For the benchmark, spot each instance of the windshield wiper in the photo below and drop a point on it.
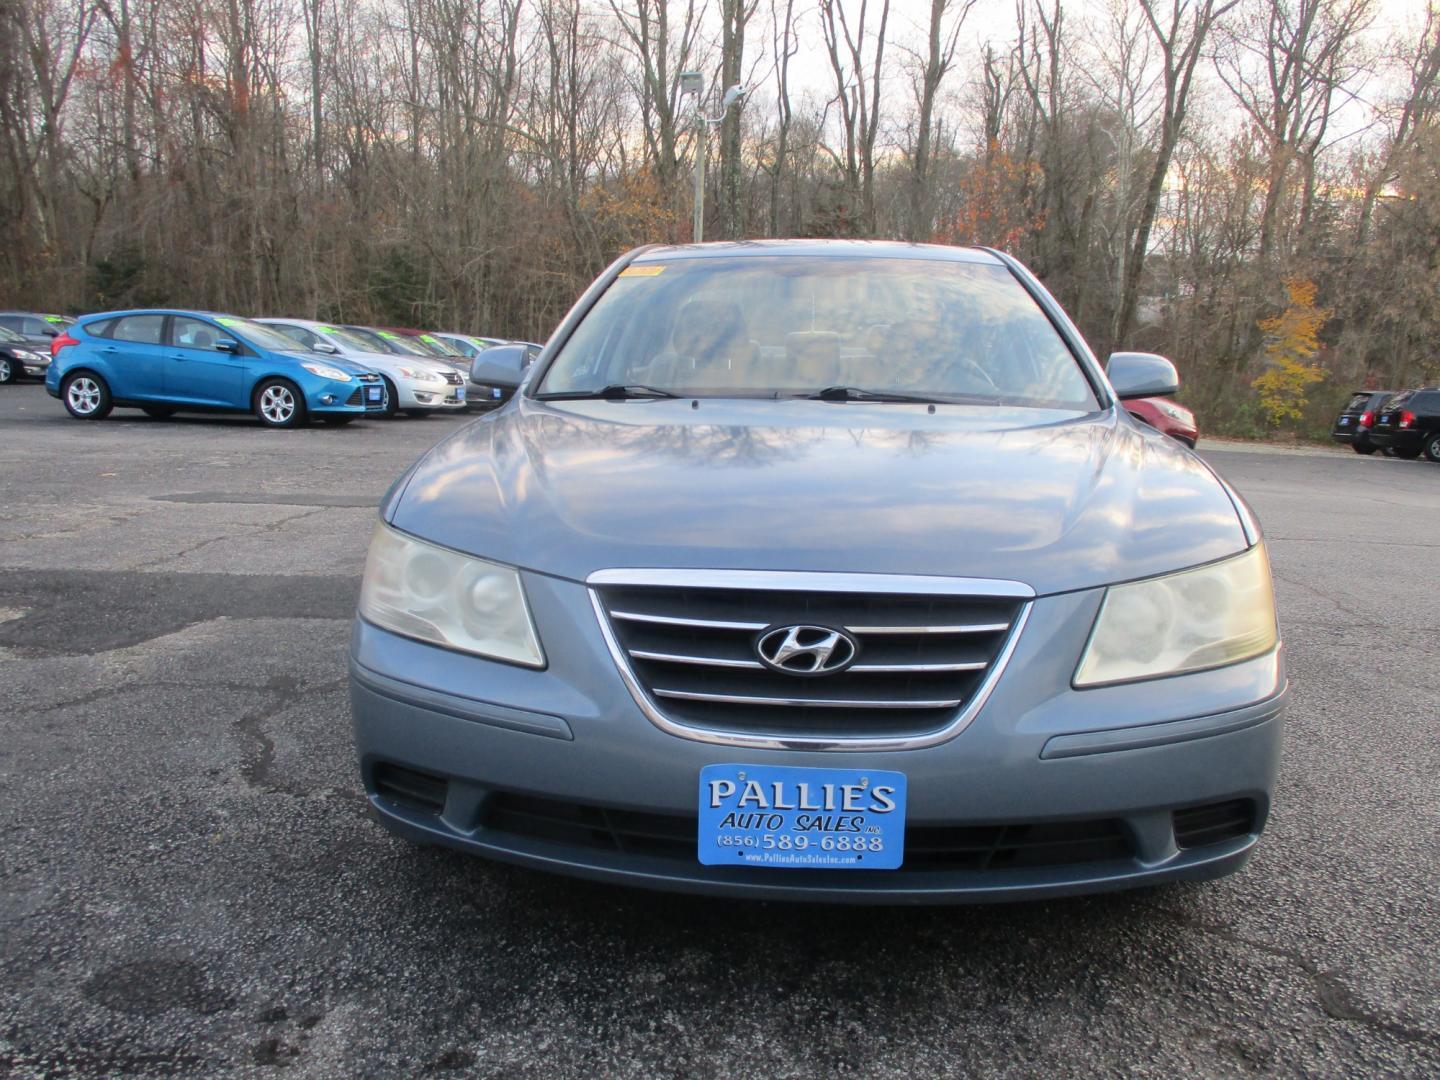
(858, 393)
(614, 392)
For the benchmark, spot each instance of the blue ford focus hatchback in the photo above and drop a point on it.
(167, 361)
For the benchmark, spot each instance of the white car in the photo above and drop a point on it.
(416, 385)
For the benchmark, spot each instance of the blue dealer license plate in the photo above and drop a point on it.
(773, 815)
(374, 392)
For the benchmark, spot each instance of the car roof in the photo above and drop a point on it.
(161, 311)
(841, 249)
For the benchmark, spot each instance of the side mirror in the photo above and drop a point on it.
(1141, 374)
(326, 347)
(226, 344)
(50, 331)
(501, 365)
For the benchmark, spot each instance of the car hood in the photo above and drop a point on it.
(344, 363)
(390, 363)
(1056, 500)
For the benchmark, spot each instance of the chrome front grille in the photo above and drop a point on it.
(453, 378)
(928, 652)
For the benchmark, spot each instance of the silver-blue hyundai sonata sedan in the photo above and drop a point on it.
(822, 570)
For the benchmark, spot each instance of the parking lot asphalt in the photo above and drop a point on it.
(189, 884)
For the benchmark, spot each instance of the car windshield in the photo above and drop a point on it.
(439, 346)
(399, 343)
(265, 337)
(347, 339)
(777, 326)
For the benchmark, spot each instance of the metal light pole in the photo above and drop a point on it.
(702, 148)
(693, 82)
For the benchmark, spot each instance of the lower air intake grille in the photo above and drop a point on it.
(927, 848)
(410, 788)
(1214, 823)
(916, 659)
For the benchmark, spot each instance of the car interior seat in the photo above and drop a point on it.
(710, 347)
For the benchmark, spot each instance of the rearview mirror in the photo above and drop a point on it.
(226, 344)
(1141, 374)
(501, 365)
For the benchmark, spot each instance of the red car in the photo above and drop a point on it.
(1168, 416)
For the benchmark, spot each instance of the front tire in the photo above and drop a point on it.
(392, 399)
(86, 396)
(7, 370)
(279, 404)
(1364, 448)
(1407, 454)
(1432, 447)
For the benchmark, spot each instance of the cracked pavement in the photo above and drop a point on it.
(189, 885)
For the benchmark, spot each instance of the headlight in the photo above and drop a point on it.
(421, 375)
(325, 371)
(1175, 412)
(443, 597)
(34, 358)
(1203, 618)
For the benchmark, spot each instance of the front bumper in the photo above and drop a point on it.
(331, 397)
(1038, 756)
(413, 394)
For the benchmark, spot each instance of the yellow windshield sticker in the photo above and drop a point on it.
(387, 335)
(327, 329)
(228, 322)
(642, 271)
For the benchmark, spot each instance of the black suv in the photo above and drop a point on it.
(1409, 424)
(1355, 421)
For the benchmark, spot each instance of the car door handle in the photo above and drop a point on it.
(178, 356)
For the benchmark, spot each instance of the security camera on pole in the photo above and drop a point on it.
(693, 82)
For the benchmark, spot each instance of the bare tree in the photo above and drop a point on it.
(1180, 33)
(859, 76)
(1418, 108)
(786, 44)
(663, 48)
(734, 17)
(1284, 66)
(943, 34)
